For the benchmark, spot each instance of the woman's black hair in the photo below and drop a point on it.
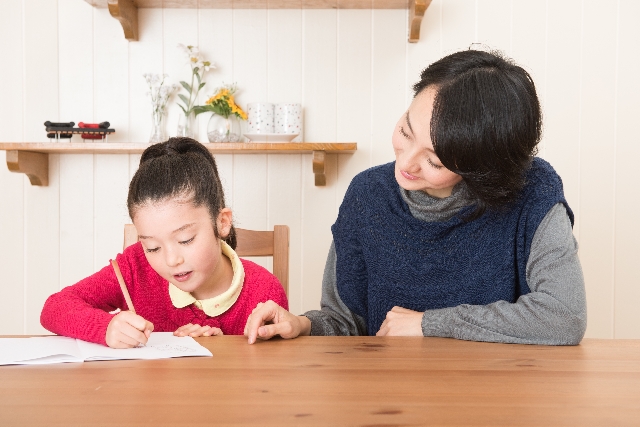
(486, 123)
(179, 167)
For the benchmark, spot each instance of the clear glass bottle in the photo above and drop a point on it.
(224, 129)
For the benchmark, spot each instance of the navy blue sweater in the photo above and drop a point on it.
(387, 258)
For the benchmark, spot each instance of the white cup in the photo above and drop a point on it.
(260, 117)
(288, 119)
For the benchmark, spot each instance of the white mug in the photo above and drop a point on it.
(260, 117)
(288, 119)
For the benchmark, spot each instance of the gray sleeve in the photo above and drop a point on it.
(334, 318)
(553, 313)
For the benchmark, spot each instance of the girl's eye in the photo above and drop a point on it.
(433, 165)
(151, 250)
(403, 133)
(186, 242)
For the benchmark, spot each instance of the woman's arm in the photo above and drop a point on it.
(553, 313)
(334, 318)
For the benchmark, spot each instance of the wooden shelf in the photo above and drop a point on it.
(32, 158)
(126, 11)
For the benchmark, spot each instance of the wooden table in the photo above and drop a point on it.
(332, 381)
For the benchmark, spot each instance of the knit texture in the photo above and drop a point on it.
(386, 257)
(81, 310)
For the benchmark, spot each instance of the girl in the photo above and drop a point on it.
(466, 235)
(183, 275)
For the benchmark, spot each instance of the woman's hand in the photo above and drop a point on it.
(127, 330)
(269, 319)
(401, 322)
(197, 331)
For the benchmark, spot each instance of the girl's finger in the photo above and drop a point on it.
(200, 331)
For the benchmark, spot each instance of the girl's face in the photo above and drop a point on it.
(417, 166)
(181, 246)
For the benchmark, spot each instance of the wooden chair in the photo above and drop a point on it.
(250, 243)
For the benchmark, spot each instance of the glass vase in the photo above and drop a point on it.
(186, 125)
(223, 129)
(158, 133)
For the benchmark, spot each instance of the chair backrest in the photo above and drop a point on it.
(250, 243)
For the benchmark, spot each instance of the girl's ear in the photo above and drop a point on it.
(224, 222)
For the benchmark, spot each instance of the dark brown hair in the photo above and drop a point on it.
(486, 123)
(179, 167)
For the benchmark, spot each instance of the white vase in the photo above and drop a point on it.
(223, 129)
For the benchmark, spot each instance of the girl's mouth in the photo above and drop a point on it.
(182, 277)
(408, 175)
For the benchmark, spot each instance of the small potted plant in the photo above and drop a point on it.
(224, 124)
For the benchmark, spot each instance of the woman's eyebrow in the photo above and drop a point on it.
(408, 121)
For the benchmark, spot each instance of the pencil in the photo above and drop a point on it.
(123, 286)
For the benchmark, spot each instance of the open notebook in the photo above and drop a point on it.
(45, 350)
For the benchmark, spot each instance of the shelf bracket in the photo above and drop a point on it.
(318, 168)
(416, 13)
(126, 12)
(34, 165)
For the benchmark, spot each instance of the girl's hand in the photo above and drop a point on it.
(197, 331)
(269, 319)
(127, 330)
(401, 322)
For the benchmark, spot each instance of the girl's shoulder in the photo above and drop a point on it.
(262, 284)
(133, 262)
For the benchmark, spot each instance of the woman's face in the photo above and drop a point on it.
(417, 166)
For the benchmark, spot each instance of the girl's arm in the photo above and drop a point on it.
(82, 310)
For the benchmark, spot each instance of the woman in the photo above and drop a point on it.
(466, 235)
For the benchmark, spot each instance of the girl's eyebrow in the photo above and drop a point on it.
(184, 227)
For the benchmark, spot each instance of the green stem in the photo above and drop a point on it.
(190, 106)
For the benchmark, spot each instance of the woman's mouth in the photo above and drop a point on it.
(182, 277)
(408, 175)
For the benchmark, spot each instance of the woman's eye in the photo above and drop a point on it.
(403, 133)
(151, 250)
(186, 242)
(433, 165)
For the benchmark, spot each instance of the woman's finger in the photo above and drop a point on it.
(262, 314)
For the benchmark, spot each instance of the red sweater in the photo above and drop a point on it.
(81, 310)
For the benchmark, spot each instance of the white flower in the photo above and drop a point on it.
(184, 50)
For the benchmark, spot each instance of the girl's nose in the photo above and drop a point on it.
(174, 258)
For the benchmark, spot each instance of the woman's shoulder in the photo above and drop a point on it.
(543, 188)
(375, 174)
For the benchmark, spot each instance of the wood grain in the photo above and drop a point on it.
(126, 12)
(334, 381)
(34, 165)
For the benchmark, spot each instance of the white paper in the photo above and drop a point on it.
(46, 350)
(161, 345)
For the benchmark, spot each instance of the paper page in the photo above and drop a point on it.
(38, 350)
(161, 345)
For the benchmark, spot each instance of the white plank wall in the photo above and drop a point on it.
(352, 70)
